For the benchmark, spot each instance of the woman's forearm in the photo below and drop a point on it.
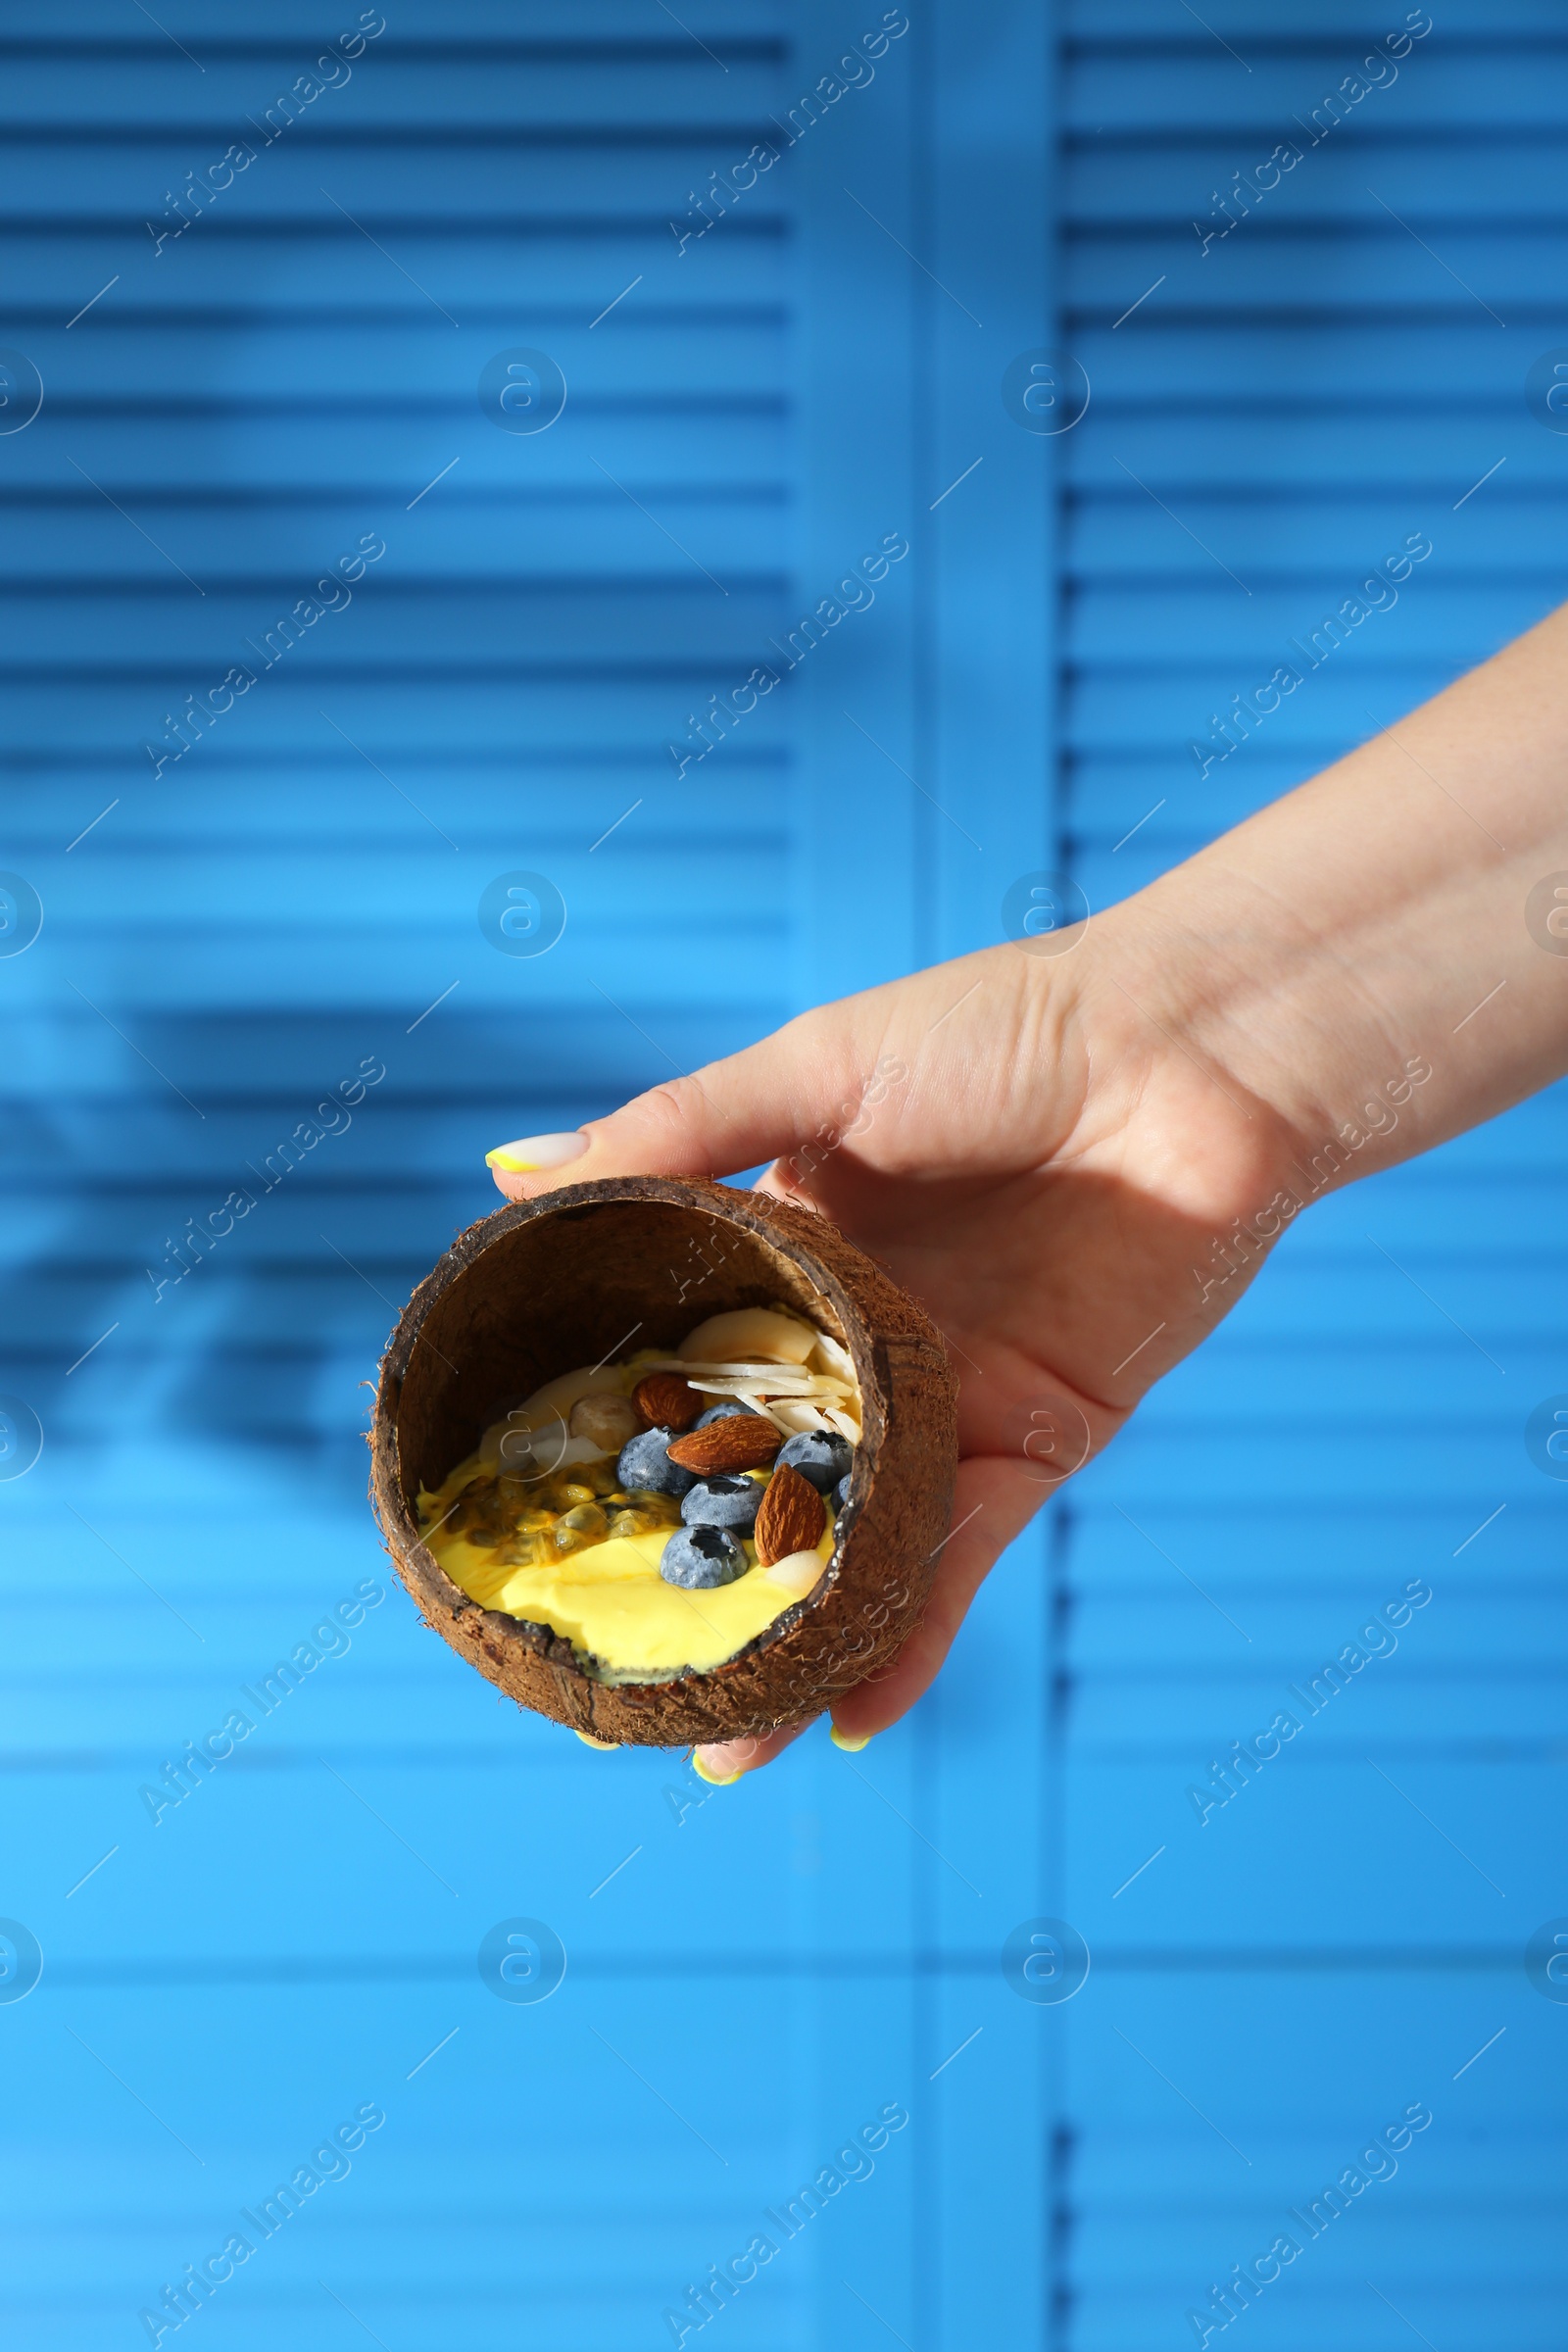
(1377, 917)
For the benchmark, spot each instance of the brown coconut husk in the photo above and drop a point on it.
(595, 1271)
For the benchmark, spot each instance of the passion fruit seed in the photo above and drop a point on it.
(525, 1551)
(638, 1523)
(663, 1510)
(586, 1517)
(577, 1530)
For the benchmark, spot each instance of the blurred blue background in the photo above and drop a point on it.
(753, 1973)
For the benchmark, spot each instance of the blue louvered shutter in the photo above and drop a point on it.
(234, 939)
(1291, 384)
(262, 774)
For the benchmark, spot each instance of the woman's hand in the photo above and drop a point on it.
(1034, 1160)
(1077, 1150)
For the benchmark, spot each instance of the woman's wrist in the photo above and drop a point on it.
(1384, 920)
(1252, 1010)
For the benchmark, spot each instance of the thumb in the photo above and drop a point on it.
(812, 1075)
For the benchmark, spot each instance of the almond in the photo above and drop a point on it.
(789, 1517)
(742, 1441)
(667, 1401)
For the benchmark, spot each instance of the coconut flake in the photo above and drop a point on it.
(796, 1419)
(823, 1394)
(799, 1572)
(780, 1337)
(767, 1411)
(828, 1356)
(767, 1388)
(738, 1371)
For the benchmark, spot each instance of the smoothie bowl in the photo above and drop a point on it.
(666, 1461)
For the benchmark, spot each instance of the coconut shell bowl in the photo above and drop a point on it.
(590, 1276)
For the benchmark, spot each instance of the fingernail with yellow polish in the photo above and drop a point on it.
(848, 1742)
(605, 1745)
(715, 1780)
(532, 1152)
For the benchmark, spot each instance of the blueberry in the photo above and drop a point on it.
(841, 1492)
(723, 1502)
(820, 1454)
(699, 1557)
(645, 1462)
(720, 1412)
